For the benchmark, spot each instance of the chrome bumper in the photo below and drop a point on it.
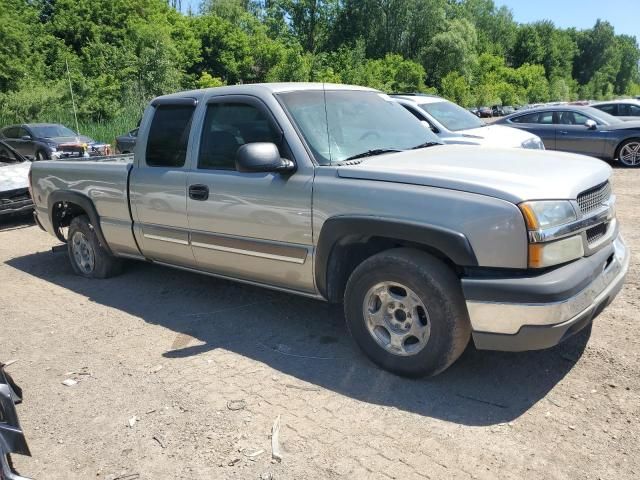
(508, 319)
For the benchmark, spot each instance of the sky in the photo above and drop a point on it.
(622, 14)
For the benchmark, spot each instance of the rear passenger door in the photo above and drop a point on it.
(250, 226)
(158, 184)
(538, 123)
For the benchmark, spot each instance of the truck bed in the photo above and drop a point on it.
(103, 180)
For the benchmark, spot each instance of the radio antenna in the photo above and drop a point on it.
(73, 101)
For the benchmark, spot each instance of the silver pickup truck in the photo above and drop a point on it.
(338, 193)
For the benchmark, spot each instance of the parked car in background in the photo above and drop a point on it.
(14, 182)
(44, 141)
(126, 143)
(584, 130)
(627, 110)
(453, 124)
(520, 249)
(485, 112)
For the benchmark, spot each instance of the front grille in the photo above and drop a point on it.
(14, 200)
(596, 233)
(594, 198)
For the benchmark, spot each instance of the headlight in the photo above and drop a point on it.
(533, 144)
(547, 213)
(553, 253)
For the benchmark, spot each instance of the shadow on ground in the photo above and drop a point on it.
(308, 340)
(16, 221)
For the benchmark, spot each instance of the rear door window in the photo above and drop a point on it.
(544, 118)
(611, 109)
(169, 136)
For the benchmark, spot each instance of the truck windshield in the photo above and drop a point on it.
(353, 123)
(452, 116)
(52, 131)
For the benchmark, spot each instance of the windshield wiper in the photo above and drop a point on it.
(425, 145)
(372, 153)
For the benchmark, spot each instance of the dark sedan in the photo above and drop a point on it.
(43, 141)
(584, 130)
(126, 143)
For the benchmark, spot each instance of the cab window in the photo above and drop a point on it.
(169, 136)
(228, 126)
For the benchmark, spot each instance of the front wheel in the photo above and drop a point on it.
(629, 153)
(40, 155)
(88, 258)
(406, 311)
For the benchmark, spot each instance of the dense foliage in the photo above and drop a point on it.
(120, 53)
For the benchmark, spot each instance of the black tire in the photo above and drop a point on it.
(439, 290)
(41, 155)
(619, 152)
(103, 264)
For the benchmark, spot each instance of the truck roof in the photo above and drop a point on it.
(267, 88)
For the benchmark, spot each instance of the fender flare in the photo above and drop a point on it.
(83, 202)
(452, 244)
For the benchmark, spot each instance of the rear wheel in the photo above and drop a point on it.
(40, 155)
(88, 258)
(406, 311)
(629, 153)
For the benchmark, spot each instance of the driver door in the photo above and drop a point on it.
(250, 226)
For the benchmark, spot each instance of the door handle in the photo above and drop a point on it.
(198, 192)
(563, 132)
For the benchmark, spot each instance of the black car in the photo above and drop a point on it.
(12, 438)
(126, 143)
(580, 129)
(485, 112)
(43, 141)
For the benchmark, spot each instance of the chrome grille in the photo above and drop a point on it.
(596, 233)
(594, 198)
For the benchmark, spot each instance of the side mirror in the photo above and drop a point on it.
(590, 124)
(262, 157)
(26, 137)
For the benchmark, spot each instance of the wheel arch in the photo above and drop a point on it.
(346, 241)
(64, 206)
(616, 154)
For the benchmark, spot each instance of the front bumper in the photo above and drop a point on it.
(12, 439)
(15, 201)
(532, 313)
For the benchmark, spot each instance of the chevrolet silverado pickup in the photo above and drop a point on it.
(338, 193)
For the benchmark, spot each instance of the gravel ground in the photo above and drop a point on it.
(181, 376)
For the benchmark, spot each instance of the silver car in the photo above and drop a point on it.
(627, 110)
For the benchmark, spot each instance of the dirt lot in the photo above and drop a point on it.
(206, 366)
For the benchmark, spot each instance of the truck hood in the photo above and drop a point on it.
(14, 176)
(508, 174)
(497, 136)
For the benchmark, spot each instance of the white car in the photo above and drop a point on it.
(14, 182)
(455, 125)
